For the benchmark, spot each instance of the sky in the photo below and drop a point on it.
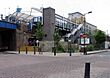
(99, 17)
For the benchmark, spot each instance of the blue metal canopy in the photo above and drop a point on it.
(4, 24)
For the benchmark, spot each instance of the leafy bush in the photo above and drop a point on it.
(90, 47)
(60, 48)
(99, 46)
(71, 49)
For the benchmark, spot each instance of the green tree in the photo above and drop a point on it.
(100, 37)
(56, 37)
(39, 31)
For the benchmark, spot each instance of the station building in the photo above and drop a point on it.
(15, 29)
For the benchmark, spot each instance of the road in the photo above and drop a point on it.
(32, 66)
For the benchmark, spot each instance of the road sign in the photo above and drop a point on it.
(83, 35)
(84, 41)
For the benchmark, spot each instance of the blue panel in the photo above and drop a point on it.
(18, 9)
(7, 25)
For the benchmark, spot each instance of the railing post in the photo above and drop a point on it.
(87, 70)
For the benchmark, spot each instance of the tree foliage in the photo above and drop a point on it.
(56, 37)
(39, 31)
(100, 37)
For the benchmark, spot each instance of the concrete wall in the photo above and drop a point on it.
(21, 39)
(46, 46)
(22, 36)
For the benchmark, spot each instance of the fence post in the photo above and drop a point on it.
(87, 70)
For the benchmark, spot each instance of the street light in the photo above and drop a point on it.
(37, 42)
(87, 13)
(69, 47)
(84, 24)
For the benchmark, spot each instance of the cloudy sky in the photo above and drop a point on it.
(99, 16)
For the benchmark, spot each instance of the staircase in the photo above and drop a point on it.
(74, 33)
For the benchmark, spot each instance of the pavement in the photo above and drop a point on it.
(14, 65)
(57, 54)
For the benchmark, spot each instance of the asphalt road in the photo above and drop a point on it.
(32, 66)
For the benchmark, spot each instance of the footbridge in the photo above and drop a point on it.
(68, 29)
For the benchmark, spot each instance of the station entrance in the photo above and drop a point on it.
(7, 39)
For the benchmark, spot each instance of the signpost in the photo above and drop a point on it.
(87, 41)
(84, 40)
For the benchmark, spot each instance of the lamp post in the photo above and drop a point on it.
(37, 42)
(69, 47)
(84, 24)
(34, 46)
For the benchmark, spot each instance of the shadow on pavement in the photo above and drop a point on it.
(5, 52)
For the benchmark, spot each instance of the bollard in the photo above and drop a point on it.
(19, 50)
(54, 53)
(70, 53)
(26, 50)
(87, 70)
(39, 50)
(85, 52)
(34, 50)
(54, 50)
